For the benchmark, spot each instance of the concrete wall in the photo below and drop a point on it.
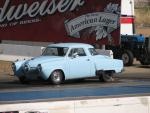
(21, 50)
(12, 52)
(105, 52)
(25, 50)
(29, 43)
(105, 105)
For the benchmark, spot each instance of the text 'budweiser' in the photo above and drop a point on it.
(15, 12)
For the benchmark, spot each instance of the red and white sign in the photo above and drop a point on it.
(127, 20)
(88, 21)
(127, 17)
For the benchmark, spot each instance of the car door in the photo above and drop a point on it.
(79, 63)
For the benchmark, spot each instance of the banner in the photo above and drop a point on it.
(92, 20)
(60, 21)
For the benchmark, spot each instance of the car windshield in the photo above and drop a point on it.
(55, 51)
(93, 51)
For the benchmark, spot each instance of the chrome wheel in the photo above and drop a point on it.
(57, 77)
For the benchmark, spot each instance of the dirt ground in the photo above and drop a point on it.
(144, 31)
(5, 68)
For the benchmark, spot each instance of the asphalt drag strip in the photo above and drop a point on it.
(73, 93)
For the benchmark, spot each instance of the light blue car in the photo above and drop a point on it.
(64, 61)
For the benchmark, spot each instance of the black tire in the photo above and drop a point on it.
(106, 77)
(56, 77)
(127, 57)
(23, 80)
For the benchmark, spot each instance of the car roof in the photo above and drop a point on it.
(71, 45)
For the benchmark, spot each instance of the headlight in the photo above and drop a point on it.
(39, 67)
(13, 66)
(26, 68)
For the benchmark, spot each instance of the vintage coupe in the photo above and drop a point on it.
(64, 61)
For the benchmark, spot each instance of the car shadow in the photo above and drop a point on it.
(15, 84)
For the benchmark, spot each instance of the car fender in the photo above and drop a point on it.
(18, 64)
(108, 64)
(49, 68)
(118, 66)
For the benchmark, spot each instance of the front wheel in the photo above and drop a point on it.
(106, 77)
(23, 80)
(56, 77)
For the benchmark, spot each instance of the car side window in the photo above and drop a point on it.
(93, 51)
(78, 51)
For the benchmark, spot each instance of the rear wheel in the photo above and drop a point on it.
(56, 77)
(127, 58)
(106, 77)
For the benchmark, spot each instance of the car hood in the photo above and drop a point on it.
(42, 59)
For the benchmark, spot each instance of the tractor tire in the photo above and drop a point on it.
(127, 57)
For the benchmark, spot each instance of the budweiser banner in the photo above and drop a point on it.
(88, 21)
